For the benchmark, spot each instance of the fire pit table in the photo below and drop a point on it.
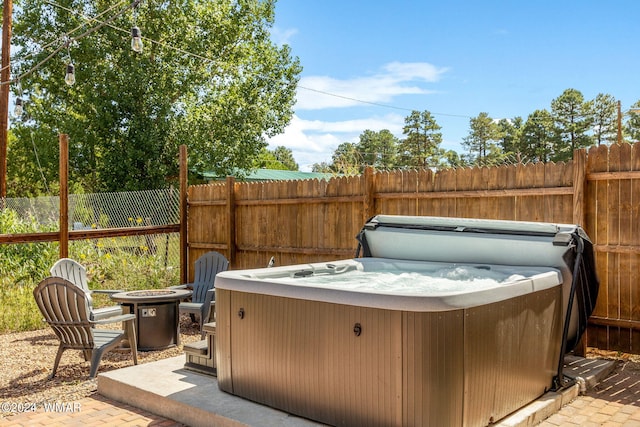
(157, 316)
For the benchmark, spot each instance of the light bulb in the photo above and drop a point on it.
(18, 110)
(70, 78)
(136, 39)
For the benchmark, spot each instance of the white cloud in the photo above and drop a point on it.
(320, 92)
(282, 36)
(314, 141)
(415, 70)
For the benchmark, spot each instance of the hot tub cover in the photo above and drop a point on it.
(518, 243)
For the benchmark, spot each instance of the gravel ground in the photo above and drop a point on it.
(27, 360)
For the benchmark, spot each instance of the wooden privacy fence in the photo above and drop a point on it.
(317, 220)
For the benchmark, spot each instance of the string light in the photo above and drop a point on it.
(136, 40)
(18, 109)
(70, 77)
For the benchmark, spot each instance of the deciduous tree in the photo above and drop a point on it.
(209, 77)
(632, 125)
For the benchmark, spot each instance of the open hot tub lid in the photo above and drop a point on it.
(519, 243)
(423, 238)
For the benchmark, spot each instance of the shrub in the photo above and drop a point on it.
(110, 264)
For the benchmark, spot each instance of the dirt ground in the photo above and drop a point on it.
(27, 360)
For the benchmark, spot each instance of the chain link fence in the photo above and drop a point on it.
(151, 260)
(128, 261)
(102, 210)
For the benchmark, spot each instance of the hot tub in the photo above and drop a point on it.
(437, 322)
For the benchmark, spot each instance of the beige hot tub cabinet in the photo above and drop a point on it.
(320, 341)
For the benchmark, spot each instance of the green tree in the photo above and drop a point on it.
(280, 158)
(420, 147)
(268, 160)
(573, 120)
(451, 159)
(510, 130)
(482, 141)
(346, 159)
(605, 125)
(632, 125)
(378, 149)
(322, 167)
(285, 156)
(538, 137)
(209, 77)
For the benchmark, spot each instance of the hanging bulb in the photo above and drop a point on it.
(70, 78)
(18, 110)
(136, 39)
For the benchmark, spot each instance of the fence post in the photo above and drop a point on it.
(369, 190)
(63, 226)
(184, 269)
(231, 218)
(579, 177)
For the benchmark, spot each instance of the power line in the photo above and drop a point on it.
(168, 46)
(66, 40)
(378, 104)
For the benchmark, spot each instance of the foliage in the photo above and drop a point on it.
(109, 262)
(23, 262)
(573, 119)
(420, 147)
(222, 82)
(281, 158)
(378, 149)
(510, 134)
(346, 159)
(482, 141)
(632, 127)
(545, 136)
(605, 126)
(538, 137)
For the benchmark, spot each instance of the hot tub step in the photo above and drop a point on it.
(199, 348)
(201, 355)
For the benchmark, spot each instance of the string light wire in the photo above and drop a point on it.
(68, 34)
(133, 6)
(70, 40)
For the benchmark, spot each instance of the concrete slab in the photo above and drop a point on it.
(167, 389)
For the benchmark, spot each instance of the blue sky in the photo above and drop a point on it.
(453, 58)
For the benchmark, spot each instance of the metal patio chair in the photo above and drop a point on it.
(65, 308)
(205, 269)
(74, 272)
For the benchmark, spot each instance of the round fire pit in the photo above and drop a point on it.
(157, 316)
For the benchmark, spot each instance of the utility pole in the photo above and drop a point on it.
(5, 76)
